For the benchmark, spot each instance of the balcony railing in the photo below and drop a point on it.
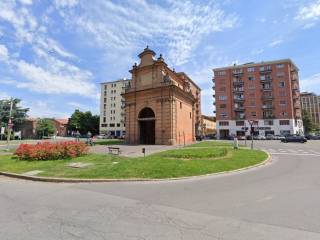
(238, 82)
(240, 117)
(238, 90)
(267, 97)
(265, 70)
(239, 109)
(267, 106)
(266, 80)
(238, 99)
(266, 89)
(268, 117)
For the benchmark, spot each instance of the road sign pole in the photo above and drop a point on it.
(9, 124)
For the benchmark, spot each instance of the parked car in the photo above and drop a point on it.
(101, 136)
(241, 137)
(259, 137)
(294, 138)
(313, 137)
(270, 137)
(279, 137)
(199, 138)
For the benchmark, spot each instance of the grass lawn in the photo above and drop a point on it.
(108, 142)
(197, 159)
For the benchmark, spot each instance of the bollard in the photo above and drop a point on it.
(235, 143)
(144, 152)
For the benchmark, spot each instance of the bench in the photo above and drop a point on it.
(114, 150)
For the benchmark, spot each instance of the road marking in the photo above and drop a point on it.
(265, 199)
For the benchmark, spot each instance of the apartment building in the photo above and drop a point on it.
(265, 94)
(112, 114)
(310, 102)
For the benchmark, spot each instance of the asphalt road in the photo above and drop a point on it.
(278, 201)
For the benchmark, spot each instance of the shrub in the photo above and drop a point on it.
(52, 151)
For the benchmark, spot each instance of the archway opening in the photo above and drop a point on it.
(147, 126)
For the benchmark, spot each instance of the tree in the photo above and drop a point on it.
(18, 114)
(45, 127)
(84, 122)
(307, 123)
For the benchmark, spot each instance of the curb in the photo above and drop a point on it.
(79, 180)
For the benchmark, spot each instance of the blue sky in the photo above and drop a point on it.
(54, 54)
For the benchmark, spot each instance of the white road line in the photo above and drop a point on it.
(314, 152)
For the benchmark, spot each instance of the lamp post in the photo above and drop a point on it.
(10, 124)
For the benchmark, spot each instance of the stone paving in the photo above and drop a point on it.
(133, 150)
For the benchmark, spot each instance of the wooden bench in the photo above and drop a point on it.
(114, 150)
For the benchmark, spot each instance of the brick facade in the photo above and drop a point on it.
(170, 100)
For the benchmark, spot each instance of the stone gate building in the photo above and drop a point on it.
(161, 105)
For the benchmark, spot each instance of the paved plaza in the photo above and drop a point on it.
(277, 201)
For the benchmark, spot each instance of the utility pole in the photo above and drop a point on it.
(9, 124)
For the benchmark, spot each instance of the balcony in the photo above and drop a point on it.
(238, 89)
(267, 106)
(240, 117)
(213, 87)
(214, 95)
(239, 109)
(266, 79)
(214, 103)
(237, 73)
(238, 99)
(213, 80)
(297, 105)
(266, 89)
(265, 97)
(238, 82)
(265, 70)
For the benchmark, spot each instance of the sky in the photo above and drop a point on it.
(55, 53)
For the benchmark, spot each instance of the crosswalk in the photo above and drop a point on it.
(291, 151)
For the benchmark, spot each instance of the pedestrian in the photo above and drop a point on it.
(89, 138)
(77, 136)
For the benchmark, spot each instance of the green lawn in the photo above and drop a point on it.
(198, 159)
(108, 142)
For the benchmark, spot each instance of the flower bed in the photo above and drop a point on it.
(52, 151)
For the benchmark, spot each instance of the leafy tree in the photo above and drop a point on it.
(84, 122)
(18, 114)
(307, 123)
(45, 127)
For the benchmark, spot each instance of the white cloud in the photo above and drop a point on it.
(26, 2)
(275, 43)
(4, 95)
(4, 53)
(309, 12)
(178, 26)
(50, 72)
(43, 109)
(311, 83)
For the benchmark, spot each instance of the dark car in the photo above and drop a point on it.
(294, 138)
(313, 137)
(199, 138)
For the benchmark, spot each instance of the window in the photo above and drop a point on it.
(262, 77)
(104, 119)
(282, 93)
(282, 102)
(250, 69)
(180, 105)
(284, 122)
(190, 115)
(280, 66)
(223, 114)
(251, 78)
(251, 86)
(280, 74)
(223, 105)
(221, 73)
(239, 123)
(253, 114)
(284, 114)
(268, 122)
(281, 84)
(118, 124)
(223, 123)
(222, 97)
(262, 68)
(268, 67)
(111, 124)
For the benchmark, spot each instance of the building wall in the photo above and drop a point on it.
(311, 103)
(112, 115)
(261, 92)
(208, 125)
(156, 86)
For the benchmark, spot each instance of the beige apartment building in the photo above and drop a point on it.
(266, 94)
(112, 114)
(311, 103)
(208, 125)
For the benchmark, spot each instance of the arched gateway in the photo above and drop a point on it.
(147, 126)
